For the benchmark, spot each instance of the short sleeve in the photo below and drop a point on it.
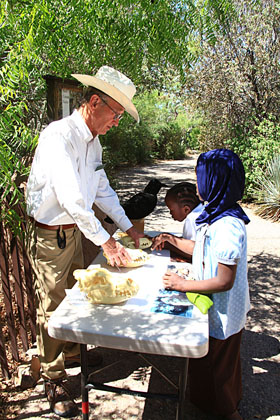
(230, 239)
(187, 229)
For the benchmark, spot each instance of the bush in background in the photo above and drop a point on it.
(164, 132)
(169, 142)
(268, 191)
(256, 151)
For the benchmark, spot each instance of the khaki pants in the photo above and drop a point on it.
(53, 268)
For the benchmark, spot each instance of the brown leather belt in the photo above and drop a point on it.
(51, 227)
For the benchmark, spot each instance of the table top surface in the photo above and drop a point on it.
(132, 325)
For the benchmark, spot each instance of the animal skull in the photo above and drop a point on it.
(101, 286)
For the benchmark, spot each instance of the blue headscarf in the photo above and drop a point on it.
(220, 181)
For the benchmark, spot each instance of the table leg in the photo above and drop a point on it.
(84, 380)
(183, 379)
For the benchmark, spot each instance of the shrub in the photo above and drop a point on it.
(128, 144)
(161, 133)
(268, 191)
(256, 150)
(169, 142)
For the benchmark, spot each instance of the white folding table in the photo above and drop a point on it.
(132, 326)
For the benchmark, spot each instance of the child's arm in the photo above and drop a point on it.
(221, 283)
(177, 254)
(185, 245)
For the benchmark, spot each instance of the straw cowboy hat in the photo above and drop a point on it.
(115, 84)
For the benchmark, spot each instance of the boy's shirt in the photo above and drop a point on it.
(189, 229)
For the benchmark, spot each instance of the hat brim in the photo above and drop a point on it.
(111, 91)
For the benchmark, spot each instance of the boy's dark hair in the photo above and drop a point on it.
(184, 193)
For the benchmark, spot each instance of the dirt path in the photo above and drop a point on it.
(260, 348)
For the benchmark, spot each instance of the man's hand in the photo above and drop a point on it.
(135, 235)
(116, 253)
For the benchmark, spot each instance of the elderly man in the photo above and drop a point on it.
(66, 178)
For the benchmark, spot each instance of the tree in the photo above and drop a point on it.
(142, 38)
(235, 83)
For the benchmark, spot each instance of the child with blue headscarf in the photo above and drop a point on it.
(220, 266)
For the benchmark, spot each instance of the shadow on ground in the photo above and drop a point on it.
(260, 364)
(259, 351)
(260, 356)
(131, 181)
(260, 347)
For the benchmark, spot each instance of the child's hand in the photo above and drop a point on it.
(174, 281)
(159, 241)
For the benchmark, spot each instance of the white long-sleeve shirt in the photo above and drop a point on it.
(67, 177)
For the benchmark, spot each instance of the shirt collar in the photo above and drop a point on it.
(83, 129)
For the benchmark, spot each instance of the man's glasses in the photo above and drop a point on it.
(116, 116)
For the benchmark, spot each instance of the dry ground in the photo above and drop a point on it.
(260, 347)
